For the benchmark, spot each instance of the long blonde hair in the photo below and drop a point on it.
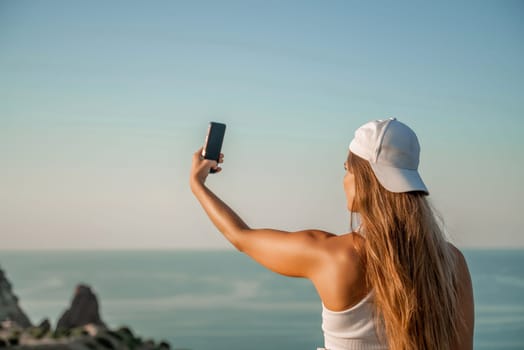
(409, 265)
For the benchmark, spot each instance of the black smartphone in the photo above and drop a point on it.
(213, 143)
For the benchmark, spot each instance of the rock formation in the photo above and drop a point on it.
(10, 311)
(83, 310)
(79, 328)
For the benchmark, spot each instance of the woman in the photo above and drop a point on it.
(395, 283)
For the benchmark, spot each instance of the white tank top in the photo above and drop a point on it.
(351, 329)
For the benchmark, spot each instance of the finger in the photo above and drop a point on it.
(217, 169)
(198, 153)
(208, 163)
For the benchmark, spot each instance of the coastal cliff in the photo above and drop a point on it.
(9, 308)
(80, 327)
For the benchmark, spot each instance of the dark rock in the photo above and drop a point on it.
(45, 325)
(61, 333)
(125, 331)
(105, 342)
(148, 345)
(79, 328)
(83, 310)
(128, 338)
(115, 335)
(164, 346)
(10, 311)
(41, 330)
(90, 345)
(13, 341)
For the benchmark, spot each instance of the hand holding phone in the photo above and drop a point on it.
(213, 142)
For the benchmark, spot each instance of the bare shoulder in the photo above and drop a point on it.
(349, 253)
(332, 249)
(347, 244)
(340, 282)
(460, 260)
(466, 301)
(465, 287)
(318, 234)
(323, 241)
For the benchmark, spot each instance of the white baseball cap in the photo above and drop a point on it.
(393, 151)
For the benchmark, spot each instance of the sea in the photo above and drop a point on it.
(217, 300)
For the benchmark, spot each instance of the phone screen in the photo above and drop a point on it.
(214, 139)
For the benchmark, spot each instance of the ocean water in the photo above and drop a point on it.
(219, 300)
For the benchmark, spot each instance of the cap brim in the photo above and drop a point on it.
(399, 180)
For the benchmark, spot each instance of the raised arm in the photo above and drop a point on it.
(298, 254)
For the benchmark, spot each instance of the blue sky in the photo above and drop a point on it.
(103, 103)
